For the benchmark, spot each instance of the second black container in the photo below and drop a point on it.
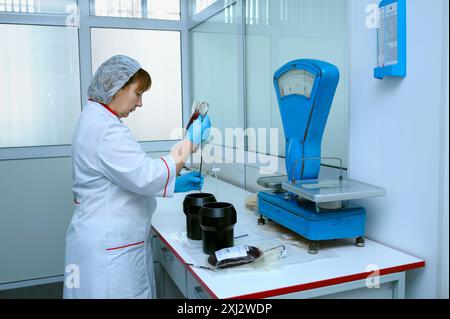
(217, 221)
(191, 206)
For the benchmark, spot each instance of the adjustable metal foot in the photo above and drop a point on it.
(261, 220)
(313, 248)
(360, 242)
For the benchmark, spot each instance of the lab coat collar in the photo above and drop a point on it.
(106, 107)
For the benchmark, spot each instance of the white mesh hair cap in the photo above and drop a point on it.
(111, 76)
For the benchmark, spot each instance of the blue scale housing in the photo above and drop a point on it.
(305, 90)
(303, 219)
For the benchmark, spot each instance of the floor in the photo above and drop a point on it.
(48, 291)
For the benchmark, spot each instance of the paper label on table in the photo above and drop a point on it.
(231, 252)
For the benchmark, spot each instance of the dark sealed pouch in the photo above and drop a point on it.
(234, 256)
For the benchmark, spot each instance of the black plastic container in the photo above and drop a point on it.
(191, 207)
(217, 221)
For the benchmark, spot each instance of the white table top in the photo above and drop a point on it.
(337, 262)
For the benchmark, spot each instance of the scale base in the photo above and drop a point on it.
(302, 218)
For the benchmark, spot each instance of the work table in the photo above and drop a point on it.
(340, 269)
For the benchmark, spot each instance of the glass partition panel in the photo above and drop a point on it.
(280, 31)
(40, 85)
(159, 53)
(156, 9)
(38, 6)
(117, 8)
(200, 5)
(214, 69)
(163, 9)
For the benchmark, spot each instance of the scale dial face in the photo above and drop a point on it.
(298, 82)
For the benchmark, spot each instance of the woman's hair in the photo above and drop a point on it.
(143, 78)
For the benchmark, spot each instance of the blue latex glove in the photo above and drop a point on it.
(199, 130)
(188, 182)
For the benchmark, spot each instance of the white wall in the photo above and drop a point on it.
(397, 137)
(443, 283)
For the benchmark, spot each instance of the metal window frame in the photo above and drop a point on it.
(86, 23)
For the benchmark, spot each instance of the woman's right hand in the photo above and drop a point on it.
(199, 130)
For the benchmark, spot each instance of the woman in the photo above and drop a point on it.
(108, 247)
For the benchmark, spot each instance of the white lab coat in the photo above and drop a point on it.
(108, 246)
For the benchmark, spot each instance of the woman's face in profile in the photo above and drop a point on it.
(127, 100)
